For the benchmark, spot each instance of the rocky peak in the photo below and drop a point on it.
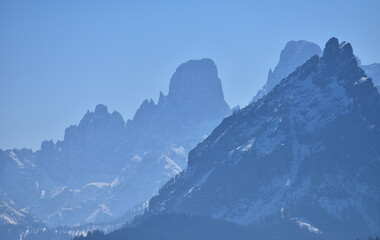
(331, 48)
(195, 78)
(195, 97)
(195, 88)
(338, 55)
(101, 109)
(145, 112)
(97, 126)
(294, 54)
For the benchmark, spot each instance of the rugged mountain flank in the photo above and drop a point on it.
(307, 152)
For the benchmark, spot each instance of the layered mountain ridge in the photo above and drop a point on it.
(304, 155)
(105, 167)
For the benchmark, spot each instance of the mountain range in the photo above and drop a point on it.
(302, 158)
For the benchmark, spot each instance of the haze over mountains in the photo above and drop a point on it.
(290, 159)
(105, 167)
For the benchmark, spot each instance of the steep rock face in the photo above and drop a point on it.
(292, 56)
(104, 167)
(308, 152)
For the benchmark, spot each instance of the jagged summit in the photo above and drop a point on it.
(294, 54)
(342, 54)
(87, 149)
(95, 127)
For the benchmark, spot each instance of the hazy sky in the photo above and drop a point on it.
(60, 58)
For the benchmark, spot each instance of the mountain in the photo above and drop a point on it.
(294, 54)
(105, 167)
(307, 152)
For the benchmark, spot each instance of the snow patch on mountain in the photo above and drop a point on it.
(304, 224)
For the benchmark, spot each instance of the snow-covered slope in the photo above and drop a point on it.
(307, 152)
(12, 216)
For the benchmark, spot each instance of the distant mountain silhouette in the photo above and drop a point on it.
(294, 54)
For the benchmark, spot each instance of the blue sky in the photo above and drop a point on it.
(60, 58)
